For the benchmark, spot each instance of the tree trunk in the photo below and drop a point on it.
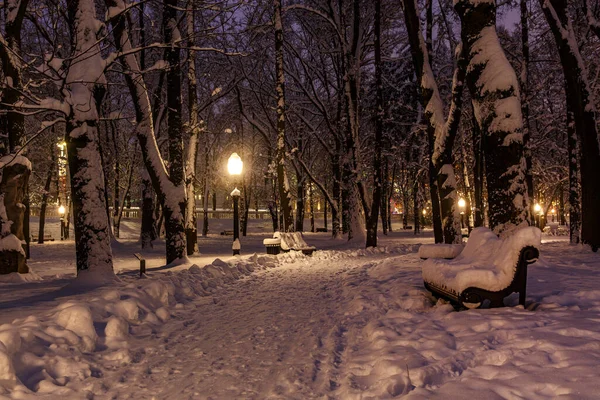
(497, 108)
(14, 177)
(194, 127)
(311, 205)
(282, 181)
(300, 194)
(440, 132)
(92, 232)
(169, 187)
(46, 195)
(416, 208)
(12, 193)
(524, 81)
(477, 173)
(117, 181)
(148, 232)
(336, 227)
(385, 204)
(580, 104)
(148, 229)
(574, 186)
(325, 215)
(373, 216)
(173, 227)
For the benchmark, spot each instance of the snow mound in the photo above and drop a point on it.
(15, 277)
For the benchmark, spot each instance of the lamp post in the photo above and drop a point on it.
(61, 212)
(538, 210)
(234, 167)
(461, 206)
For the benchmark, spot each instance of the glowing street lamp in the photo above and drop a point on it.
(537, 208)
(234, 167)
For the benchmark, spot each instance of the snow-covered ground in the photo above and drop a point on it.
(345, 323)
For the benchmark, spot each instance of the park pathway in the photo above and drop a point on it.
(278, 333)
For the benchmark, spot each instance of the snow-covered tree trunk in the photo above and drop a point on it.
(191, 230)
(171, 193)
(175, 248)
(580, 102)
(352, 185)
(282, 180)
(83, 90)
(14, 176)
(442, 131)
(13, 181)
(496, 102)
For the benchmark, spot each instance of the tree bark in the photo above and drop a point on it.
(441, 132)
(148, 229)
(13, 195)
(92, 231)
(580, 104)
(194, 127)
(46, 195)
(497, 106)
(373, 216)
(524, 81)
(282, 181)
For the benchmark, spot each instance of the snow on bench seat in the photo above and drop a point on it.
(487, 268)
(447, 251)
(294, 241)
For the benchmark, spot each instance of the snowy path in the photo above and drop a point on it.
(279, 333)
(350, 324)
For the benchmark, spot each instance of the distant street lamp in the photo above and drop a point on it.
(61, 212)
(234, 167)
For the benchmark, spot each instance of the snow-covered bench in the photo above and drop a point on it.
(488, 268)
(286, 242)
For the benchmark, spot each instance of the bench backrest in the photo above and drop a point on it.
(291, 240)
(485, 248)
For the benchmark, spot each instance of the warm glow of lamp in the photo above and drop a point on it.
(424, 212)
(235, 164)
(537, 208)
(462, 203)
(319, 206)
(553, 211)
(61, 210)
